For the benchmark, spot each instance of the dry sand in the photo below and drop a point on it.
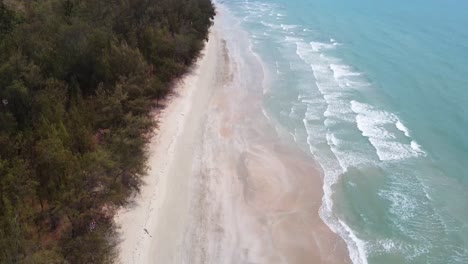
(223, 187)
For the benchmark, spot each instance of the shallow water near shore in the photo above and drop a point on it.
(376, 93)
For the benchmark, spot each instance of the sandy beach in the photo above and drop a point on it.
(222, 185)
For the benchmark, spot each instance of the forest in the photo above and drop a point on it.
(79, 81)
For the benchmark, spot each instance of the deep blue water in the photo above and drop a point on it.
(377, 91)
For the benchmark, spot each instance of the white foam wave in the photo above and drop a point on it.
(292, 40)
(315, 136)
(312, 114)
(416, 147)
(270, 25)
(388, 245)
(309, 100)
(345, 160)
(337, 161)
(318, 46)
(329, 72)
(356, 247)
(332, 139)
(288, 27)
(359, 254)
(337, 84)
(404, 206)
(372, 124)
(332, 168)
(402, 128)
(393, 150)
(342, 71)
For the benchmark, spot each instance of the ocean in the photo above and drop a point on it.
(377, 93)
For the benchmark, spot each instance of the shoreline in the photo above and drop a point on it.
(222, 185)
(137, 223)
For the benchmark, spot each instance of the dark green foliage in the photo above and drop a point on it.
(8, 19)
(78, 80)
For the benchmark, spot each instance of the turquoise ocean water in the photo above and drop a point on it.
(377, 92)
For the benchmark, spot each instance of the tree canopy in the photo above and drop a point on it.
(78, 82)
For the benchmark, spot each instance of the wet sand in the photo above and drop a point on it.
(224, 186)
